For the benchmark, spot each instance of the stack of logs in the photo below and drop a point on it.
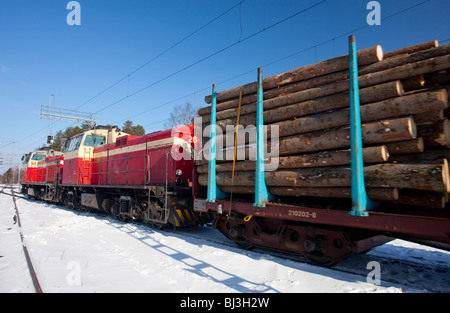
(406, 134)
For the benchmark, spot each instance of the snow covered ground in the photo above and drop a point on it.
(80, 252)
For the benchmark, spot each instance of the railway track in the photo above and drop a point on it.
(428, 277)
(34, 278)
(419, 275)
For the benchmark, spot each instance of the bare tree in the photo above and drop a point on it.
(181, 115)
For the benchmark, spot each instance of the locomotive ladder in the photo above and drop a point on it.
(85, 166)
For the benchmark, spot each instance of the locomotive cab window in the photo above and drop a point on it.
(38, 157)
(73, 144)
(77, 142)
(94, 141)
(26, 158)
(69, 145)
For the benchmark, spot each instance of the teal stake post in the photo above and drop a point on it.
(213, 192)
(261, 194)
(360, 202)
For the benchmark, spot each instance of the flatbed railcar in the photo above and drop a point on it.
(322, 234)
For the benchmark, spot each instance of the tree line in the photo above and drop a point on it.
(61, 137)
(181, 115)
(11, 176)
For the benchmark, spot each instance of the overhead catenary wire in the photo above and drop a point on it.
(128, 76)
(212, 54)
(333, 40)
(161, 54)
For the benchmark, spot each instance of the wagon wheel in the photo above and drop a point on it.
(244, 244)
(320, 260)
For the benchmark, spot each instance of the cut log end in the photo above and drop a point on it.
(384, 153)
(379, 53)
(446, 132)
(399, 88)
(395, 194)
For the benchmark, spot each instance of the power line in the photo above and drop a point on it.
(148, 62)
(162, 53)
(279, 60)
(211, 55)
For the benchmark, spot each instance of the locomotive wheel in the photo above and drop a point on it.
(246, 245)
(86, 209)
(157, 225)
(122, 218)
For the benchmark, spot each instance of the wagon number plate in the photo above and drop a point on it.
(200, 205)
(300, 213)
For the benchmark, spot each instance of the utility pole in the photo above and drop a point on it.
(50, 122)
(52, 113)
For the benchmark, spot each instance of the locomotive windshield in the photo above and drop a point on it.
(94, 141)
(38, 157)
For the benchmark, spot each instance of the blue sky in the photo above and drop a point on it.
(42, 55)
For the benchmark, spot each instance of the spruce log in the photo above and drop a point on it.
(294, 105)
(376, 154)
(436, 134)
(402, 106)
(437, 78)
(396, 73)
(383, 194)
(426, 156)
(371, 55)
(424, 199)
(342, 77)
(405, 59)
(379, 132)
(377, 67)
(412, 49)
(414, 83)
(408, 146)
(366, 56)
(406, 71)
(430, 177)
(294, 92)
(429, 117)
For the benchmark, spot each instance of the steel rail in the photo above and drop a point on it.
(36, 285)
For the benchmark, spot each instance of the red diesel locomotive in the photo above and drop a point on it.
(130, 177)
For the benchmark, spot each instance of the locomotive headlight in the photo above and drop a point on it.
(178, 172)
